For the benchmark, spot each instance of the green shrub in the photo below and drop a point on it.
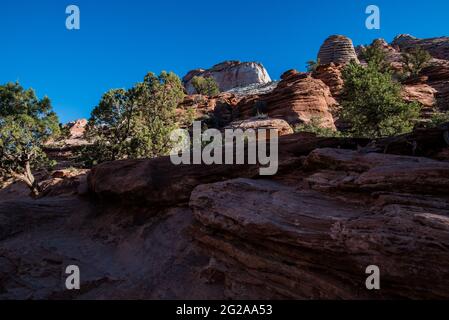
(414, 60)
(439, 118)
(312, 65)
(315, 126)
(373, 105)
(375, 56)
(205, 86)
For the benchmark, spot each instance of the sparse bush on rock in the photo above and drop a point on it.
(312, 65)
(205, 86)
(316, 126)
(414, 61)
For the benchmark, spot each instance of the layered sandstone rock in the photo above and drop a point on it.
(337, 49)
(422, 93)
(437, 47)
(158, 182)
(335, 207)
(123, 253)
(438, 78)
(230, 75)
(314, 237)
(331, 75)
(298, 98)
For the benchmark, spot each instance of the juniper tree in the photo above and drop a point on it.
(205, 86)
(415, 60)
(135, 123)
(373, 105)
(26, 124)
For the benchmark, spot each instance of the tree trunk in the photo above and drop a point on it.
(28, 178)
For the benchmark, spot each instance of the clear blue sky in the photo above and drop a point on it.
(120, 41)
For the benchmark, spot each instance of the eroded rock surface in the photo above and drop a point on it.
(230, 75)
(313, 235)
(122, 253)
(437, 47)
(147, 229)
(337, 49)
(298, 98)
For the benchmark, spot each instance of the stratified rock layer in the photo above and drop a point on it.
(298, 98)
(437, 47)
(313, 236)
(438, 78)
(331, 75)
(148, 229)
(337, 49)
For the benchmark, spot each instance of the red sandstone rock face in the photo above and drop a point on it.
(77, 128)
(298, 98)
(313, 237)
(438, 78)
(437, 47)
(309, 232)
(422, 93)
(392, 54)
(123, 253)
(331, 75)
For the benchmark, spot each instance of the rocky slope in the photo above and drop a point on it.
(313, 236)
(437, 47)
(147, 229)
